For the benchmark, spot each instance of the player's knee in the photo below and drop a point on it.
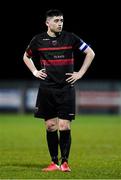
(64, 125)
(51, 126)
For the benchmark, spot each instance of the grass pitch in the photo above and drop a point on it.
(95, 151)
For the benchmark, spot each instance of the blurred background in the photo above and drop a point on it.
(99, 91)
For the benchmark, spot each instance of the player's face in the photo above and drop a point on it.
(55, 24)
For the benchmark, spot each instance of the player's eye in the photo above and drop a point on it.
(62, 20)
(56, 20)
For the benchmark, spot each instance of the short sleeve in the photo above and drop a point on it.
(31, 49)
(78, 43)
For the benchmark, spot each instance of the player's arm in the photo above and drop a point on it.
(87, 61)
(89, 56)
(29, 63)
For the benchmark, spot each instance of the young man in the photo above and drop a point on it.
(56, 95)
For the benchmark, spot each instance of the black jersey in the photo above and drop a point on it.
(55, 55)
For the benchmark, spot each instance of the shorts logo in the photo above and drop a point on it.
(71, 114)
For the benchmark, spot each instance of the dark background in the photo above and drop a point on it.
(94, 22)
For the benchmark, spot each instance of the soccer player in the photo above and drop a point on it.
(56, 96)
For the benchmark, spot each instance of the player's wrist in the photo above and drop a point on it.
(35, 72)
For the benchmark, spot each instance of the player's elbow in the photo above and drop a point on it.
(92, 53)
(25, 57)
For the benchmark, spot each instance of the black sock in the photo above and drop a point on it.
(65, 144)
(52, 141)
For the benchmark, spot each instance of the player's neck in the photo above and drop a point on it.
(52, 34)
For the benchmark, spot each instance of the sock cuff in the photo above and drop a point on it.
(65, 131)
(51, 132)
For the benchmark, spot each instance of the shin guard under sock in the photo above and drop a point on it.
(65, 144)
(52, 141)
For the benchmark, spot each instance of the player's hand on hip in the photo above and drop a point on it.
(40, 74)
(73, 77)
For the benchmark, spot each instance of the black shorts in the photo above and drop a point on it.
(53, 103)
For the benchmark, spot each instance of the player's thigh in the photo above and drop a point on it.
(66, 109)
(45, 104)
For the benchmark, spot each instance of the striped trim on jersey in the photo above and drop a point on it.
(54, 48)
(57, 62)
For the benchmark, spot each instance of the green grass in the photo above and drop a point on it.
(95, 151)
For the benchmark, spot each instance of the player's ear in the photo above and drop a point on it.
(47, 22)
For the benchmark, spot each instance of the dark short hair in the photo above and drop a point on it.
(53, 12)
